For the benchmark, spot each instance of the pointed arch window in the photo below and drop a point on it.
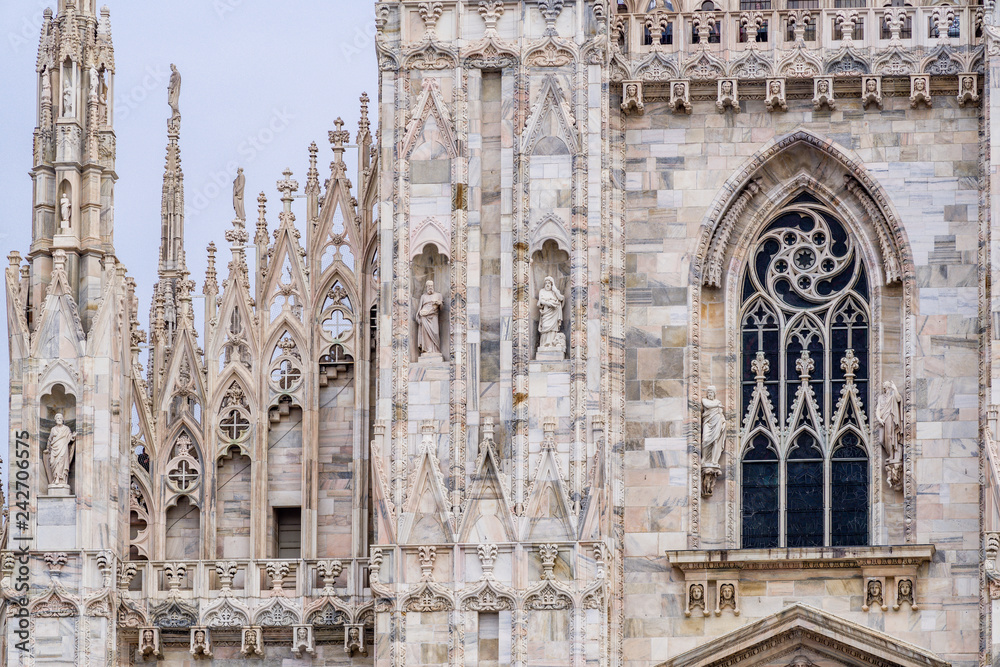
(805, 340)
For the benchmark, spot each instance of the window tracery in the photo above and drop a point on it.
(337, 316)
(234, 422)
(286, 365)
(184, 470)
(804, 374)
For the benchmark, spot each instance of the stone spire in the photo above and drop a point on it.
(74, 152)
(172, 262)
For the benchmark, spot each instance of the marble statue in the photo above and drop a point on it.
(65, 212)
(239, 185)
(60, 452)
(174, 92)
(68, 100)
(889, 421)
(713, 429)
(94, 81)
(550, 318)
(428, 321)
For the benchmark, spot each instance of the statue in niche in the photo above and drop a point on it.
(60, 455)
(68, 99)
(713, 429)
(94, 81)
(550, 318)
(239, 185)
(65, 212)
(174, 92)
(428, 321)
(889, 423)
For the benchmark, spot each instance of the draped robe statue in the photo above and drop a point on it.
(550, 318)
(889, 421)
(428, 321)
(239, 185)
(60, 452)
(713, 429)
(174, 92)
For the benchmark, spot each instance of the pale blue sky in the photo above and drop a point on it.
(261, 80)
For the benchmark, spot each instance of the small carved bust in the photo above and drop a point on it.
(774, 99)
(727, 598)
(696, 599)
(874, 596)
(251, 642)
(823, 94)
(302, 641)
(904, 593)
(679, 97)
(149, 643)
(871, 92)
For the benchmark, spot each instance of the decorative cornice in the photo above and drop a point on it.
(801, 558)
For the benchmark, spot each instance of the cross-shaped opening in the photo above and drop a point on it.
(286, 376)
(234, 425)
(183, 476)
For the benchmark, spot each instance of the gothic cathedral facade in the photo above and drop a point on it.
(648, 332)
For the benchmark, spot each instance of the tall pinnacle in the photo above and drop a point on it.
(172, 267)
(172, 204)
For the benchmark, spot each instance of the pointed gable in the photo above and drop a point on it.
(488, 516)
(804, 628)
(549, 514)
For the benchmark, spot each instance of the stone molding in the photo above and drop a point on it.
(801, 558)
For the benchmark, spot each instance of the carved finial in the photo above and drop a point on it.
(427, 437)
(211, 282)
(312, 176)
(799, 20)
(548, 554)
(430, 12)
(491, 11)
(550, 10)
(364, 125)
(549, 430)
(487, 557)
(287, 186)
(329, 570)
(849, 364)
(427, 556)
(805, 366)
(260, 238)
(277, 571)
(760, 367)
(846, 20)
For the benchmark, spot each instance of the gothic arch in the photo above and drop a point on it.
(801, 162)
(749, 194)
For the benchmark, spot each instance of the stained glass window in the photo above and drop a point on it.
(804, 373)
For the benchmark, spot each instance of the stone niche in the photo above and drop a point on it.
(549, 260)
(431, 264)
(57, 401)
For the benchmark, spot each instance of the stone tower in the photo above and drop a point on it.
(71, 320)
(654, 332)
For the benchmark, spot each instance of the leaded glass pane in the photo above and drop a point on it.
(796, 369)
(804, 493)
(849, 477)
